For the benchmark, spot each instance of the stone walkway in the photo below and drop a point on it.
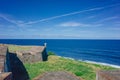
(59, 75)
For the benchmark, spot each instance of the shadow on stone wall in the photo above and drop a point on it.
(18, 70)
(45, 55)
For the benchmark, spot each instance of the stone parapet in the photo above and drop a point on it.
(35, 54)
(57, 75)
(108, 75)
(6, 76)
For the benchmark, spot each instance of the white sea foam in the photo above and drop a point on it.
(105, 64)
(87, 61)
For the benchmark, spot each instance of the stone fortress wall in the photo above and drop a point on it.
(11, 63)
(35, 54)
(5, 68)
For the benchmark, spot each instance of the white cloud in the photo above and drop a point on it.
(22, 23)
(31, 30)
(108, 19)
(13, 21)
(118, 22)
(70, 24)
(1, 25)
(69, 14)
(77, 24)
(90, 17)
(115, 28)
(64, 15)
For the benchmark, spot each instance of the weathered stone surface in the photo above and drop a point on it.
(6, 76)
(13, 62)
(3, 49)
(2, 62)
(17, 68)
(59, 75)
(3, 53)
(108, 75)
(27, 57)
(35, 54)
(37, 49)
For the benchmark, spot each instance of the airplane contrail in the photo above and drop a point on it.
(68, 14)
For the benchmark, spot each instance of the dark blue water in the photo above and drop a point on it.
(104, 51)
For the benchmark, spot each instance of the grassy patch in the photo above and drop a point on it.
(50, 53)
(85, 70)
(13, 48)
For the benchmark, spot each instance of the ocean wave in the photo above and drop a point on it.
(105, 64)
(113, 55)
(89, 49)
(108, 53)
(94, 62)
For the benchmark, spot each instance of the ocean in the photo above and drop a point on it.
(106, 52)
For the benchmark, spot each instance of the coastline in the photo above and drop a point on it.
(26, 47)
(85, 70)
(78, 49)
(93, 62)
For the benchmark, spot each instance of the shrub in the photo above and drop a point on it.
(51, 53)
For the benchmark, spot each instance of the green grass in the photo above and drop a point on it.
(87, 71)
(13, 48)
(51, 53)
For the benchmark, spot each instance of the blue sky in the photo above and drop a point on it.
(59, 19)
